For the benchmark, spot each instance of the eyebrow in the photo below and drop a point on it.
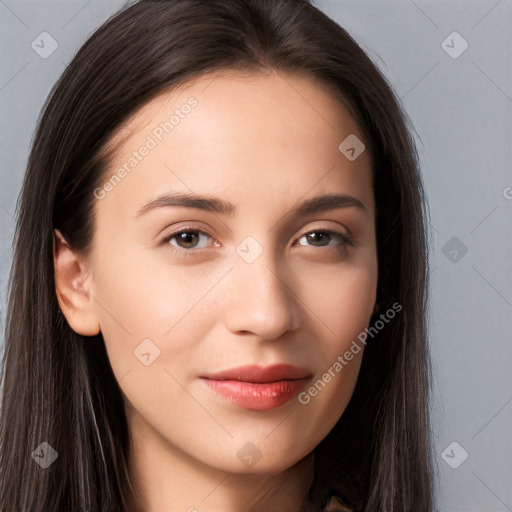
(216, 205)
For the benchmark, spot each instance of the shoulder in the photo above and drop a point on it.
(336, 504)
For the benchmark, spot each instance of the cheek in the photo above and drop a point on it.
(343, 303)
(342, 298)
(152, 309)
(153, 332)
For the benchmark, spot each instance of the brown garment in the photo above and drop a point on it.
(336, 504)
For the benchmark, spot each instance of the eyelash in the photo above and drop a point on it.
(345, 239)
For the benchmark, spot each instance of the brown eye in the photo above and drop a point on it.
(323, 238)
(188, 239)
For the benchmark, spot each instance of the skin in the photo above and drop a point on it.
(265, 142)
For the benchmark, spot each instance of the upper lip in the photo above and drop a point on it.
(262, 374)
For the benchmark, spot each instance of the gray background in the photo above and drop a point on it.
(461, 109)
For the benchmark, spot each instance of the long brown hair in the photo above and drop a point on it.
(58, 386)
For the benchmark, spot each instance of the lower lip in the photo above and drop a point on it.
(256, 396)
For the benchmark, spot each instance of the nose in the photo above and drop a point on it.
(260, 300)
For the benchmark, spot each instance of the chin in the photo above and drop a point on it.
(272, 458)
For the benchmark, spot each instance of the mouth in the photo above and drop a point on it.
(258, 388)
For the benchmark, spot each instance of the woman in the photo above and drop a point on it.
(217, 299)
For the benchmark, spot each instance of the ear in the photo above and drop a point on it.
(72, 285)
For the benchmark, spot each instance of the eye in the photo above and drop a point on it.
(188, 239)
(324, 237)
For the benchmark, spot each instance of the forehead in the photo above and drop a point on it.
(274, 98)
(239, 135)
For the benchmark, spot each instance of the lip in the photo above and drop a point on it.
(258, 388)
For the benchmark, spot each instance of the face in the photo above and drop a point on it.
(222, 315)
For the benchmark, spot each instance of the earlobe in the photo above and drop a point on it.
(72, 286)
